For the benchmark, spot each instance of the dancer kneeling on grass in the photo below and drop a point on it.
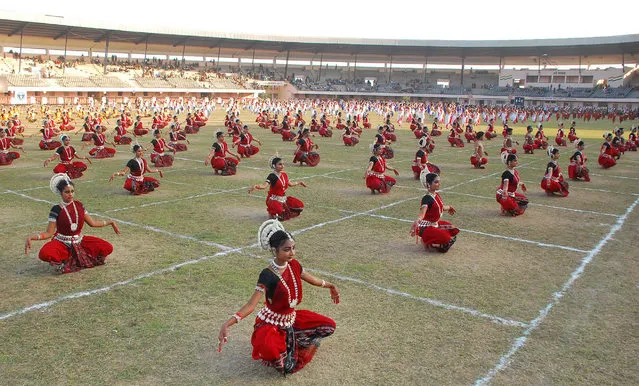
(66, 153)
(136, 182)
(478, 159)
(512, 203)
(278, 204)
(70, 251)
(227, 166)
(6, 156)
(375, 178)
(577, 168)
(553, 181)
(435, 233)
(421, 162)
(283, 337)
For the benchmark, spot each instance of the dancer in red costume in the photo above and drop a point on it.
(375, 178)
(120, 136)
(66, 153)
(421, 162)
(136, 182)
(138, 127)
(560, 138)
(48, 142)
(99, 140)
(245, 147)
(478, 159)
(512, 203)
(349, 137)
(6, 156)
(553, 181)
(529, 141)
(607, 154)
(577, 168)
(283, 337)
(158, 157)
(572, 132)
(304, 152)
(278, 204)
(222, 164)
(435, 233)
(70, 251)
(541, 141)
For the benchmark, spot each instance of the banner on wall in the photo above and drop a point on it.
(19, 96)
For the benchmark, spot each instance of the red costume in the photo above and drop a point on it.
(577, 168)
(554, 182)
(47, 142)
(515, 203)
(304, 153)
(607, 156)
(421, 162)
(157, 156)
(120, 136)
(69, 246)
(285, 338)
(431, 229)
(6, 156)
(100, 151)
(220, 162)
(139, 129)
(245, 147)
(136, 182)
(376, 180)
(66, 165)
(277, 203)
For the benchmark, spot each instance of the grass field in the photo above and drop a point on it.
(547, 297)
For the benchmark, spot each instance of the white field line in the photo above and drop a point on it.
(620, 177)
(608, 191)
(4, 228)
(489, 235)
(542, 205)
(521, 341)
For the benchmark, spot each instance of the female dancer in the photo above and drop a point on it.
(478, 159)
(560, 138)
(278, 204)
(607, 154)
(304, 152)
(6, 156)
(175, 136)
(227, 166)
(435, 233)
(512, 203)
(70, 251)
(157, 156)
(138, 127)
(577, 168)
(66, 153)
(541, 141)
(120, 136)
(421, 159)
(529, 142)
(136, 182)
(245, 147)
(553, 181)
(47, 142)
(572, 132)
(349, 137)
(375, 178)
(283, 338)
(99, 140)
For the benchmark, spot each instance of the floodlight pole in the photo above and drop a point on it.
(106, 53)
(20, 56)
(319, 76)
(462, 70)
(64, 65)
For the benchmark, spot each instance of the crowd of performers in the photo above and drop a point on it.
(283, 337)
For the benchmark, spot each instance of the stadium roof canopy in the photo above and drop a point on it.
(611, 49)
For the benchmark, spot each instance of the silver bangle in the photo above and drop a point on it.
(237, 317)
(103, 223)
(323, 283)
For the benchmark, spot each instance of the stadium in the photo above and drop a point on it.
(547, 297)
